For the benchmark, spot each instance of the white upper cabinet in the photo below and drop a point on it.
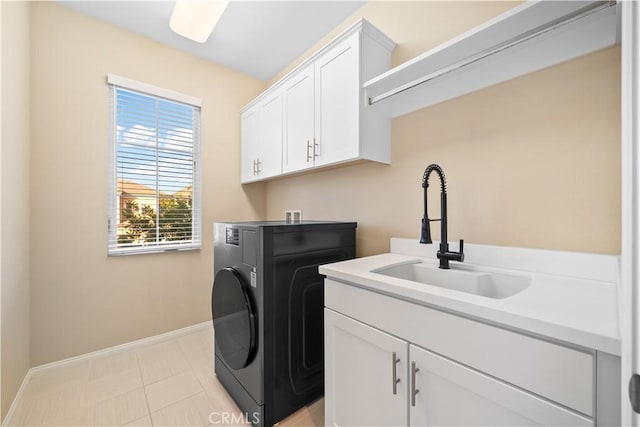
(325, 120)
(250, 143)
(261, 139)
(337, 103)
(270, 159)
(298, 121)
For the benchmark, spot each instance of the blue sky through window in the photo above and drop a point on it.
(154, 141)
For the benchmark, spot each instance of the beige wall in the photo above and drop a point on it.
(532, 162)
(14, 227)
(83, 300)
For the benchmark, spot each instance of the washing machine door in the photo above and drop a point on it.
(234, 319)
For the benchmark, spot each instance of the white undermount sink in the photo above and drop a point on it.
(486, 284)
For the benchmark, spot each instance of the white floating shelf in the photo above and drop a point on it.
(528, 38)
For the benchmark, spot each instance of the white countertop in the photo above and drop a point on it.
(561, 303)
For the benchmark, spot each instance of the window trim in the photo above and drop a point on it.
(171, 95)
(114, 82)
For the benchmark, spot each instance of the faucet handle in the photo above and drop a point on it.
(461, 251)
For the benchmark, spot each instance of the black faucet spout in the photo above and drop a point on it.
(444, 254)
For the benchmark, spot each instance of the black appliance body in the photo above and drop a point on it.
(267, 307)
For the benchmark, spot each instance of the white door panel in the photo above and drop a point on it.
(271, 146)
(337, 101)
(359, 374)
(450, 394)
(299, 116)
(250, 144)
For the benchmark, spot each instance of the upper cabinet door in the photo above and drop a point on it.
(298, 121)
(271, 141)
(337, 81)
(250, 137)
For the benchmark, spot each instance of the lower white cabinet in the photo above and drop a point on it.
(365, 374)
(374, 378)
(443, 392)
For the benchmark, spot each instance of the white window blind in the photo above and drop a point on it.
(155, 185)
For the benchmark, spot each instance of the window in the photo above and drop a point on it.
(155, 180)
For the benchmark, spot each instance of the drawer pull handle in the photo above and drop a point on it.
(414, 390)
(309, 157)
(394, 367)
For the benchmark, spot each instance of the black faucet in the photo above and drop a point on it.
(444, 255)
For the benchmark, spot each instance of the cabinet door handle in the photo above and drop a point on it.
(258, 163)
(315, 145)
(254, 167)
(394, 367)
(308, 148)
(414, 390)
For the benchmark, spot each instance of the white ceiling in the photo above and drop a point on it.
(258, 38)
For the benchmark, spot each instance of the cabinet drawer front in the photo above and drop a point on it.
(452, 394)
(556, 372)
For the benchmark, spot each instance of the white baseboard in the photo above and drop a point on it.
(96, 354)
(125, 346)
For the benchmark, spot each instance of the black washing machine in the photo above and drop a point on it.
(267, 306)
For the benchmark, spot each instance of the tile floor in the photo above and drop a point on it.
(169, 383)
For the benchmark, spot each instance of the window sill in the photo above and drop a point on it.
(153, 250)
